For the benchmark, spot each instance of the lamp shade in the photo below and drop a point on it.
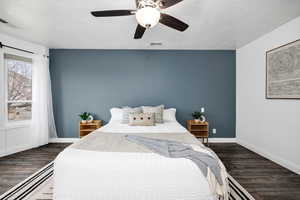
(148, 17)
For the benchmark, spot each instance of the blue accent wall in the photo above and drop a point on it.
(96, 80)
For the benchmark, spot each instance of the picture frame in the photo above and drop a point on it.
(283, 72)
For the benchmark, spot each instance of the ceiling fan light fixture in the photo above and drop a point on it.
(148, 17)
(148, 14)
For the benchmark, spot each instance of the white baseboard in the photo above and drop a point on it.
(279, 160)
(222, 140)
(63, 140)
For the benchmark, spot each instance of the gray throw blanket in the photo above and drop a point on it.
(174, 149)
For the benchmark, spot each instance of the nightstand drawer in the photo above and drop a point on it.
(198, 129)
(199, 134)
(87, 128)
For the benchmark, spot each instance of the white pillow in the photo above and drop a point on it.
(116, 114)
(169, 114)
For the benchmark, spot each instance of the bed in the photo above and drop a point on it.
(103, 166)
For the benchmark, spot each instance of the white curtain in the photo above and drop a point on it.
(43, 125)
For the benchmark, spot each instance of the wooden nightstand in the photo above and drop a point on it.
(198, 129)
(85, 129)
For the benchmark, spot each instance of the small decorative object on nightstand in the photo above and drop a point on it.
(88, 127)
(84, 117)
(199, 116)
(199, 129)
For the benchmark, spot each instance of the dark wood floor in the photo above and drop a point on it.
(17, 167)
(264, 179)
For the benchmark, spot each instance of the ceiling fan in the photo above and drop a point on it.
(148, 14)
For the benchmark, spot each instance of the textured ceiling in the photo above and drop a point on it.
(214, 24)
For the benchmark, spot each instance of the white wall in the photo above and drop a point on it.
(14, 137)
(269, 127)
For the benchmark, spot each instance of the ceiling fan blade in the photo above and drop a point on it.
(3, 21)
(112, 13)
(137, 3)
(172, 22)
(139, 32)
(168, 3)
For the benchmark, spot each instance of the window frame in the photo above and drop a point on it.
(7, 122)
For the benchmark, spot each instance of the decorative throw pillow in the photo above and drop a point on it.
(129, 110)
(142, 119)
(157, 110)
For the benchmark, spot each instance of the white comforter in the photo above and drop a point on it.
(94, 175)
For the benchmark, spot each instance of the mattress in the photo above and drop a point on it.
(91, 170)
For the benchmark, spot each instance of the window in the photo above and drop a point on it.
(19, 90)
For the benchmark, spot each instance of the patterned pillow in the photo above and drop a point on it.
(157, 110)
(127, 111)
(142, 119)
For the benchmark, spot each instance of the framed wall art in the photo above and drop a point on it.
(283, 72)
